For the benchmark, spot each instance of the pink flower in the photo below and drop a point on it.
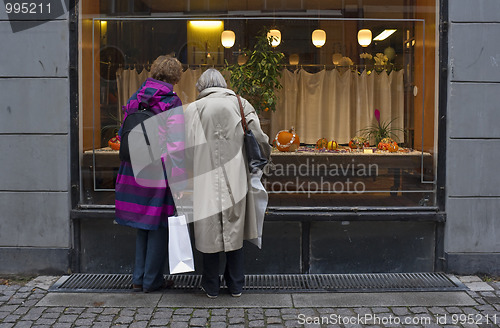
(377, 115)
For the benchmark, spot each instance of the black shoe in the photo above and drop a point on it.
(212, 296)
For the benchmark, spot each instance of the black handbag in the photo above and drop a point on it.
(255, 157)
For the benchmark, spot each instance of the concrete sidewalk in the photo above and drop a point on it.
(32, 306)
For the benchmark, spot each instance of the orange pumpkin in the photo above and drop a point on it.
(114, 143)
(387, 144)
(393, 147)
(287, 140)
(321, 143)
(358, 143)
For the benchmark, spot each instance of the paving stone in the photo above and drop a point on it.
(292, 324)
(255, 316)
(437, 310)
(139, 324)
(11, 318)
(289, 311)
(453, 309)
(105, 317)
(142, 317)
(218, 325)
(218, 318)
(255, 311)
(45, 321)
(219, 311)
(74, 310)
(22, 310)
(236, 320)
(272, 312)
(236, 313)
(161, 322)
(123, 320)
(380, 309)
(325, 310)
(289, 316)
(178, 317)
(362, 311)
(273, 320)
(127, 313)
(4, 314)
(256, 324)
(94, 310)
(197, 322)
(145, 311)
(23, 324)
(184, 311)
(6, 325)
(111, 311)
(101, 325)
(400, 311)
(8, 308)
(200, 313)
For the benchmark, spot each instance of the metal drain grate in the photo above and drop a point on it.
(372, 282)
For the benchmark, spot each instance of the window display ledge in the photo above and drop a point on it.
(305, 214)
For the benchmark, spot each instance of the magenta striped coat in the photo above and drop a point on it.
(143, 207)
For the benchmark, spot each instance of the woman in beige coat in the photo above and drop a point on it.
(222, 207)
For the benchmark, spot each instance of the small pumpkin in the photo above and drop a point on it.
(393, 147)
(387, 144)
(287, 140)
(332, 145)
(322, 143)
(114, 143)
(358, 143)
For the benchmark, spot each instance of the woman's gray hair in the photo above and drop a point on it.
(211, 78)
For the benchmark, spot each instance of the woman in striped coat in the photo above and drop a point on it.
(145, 203)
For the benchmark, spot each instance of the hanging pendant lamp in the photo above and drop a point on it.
(318, 38)
(365, 37)
(227, 38)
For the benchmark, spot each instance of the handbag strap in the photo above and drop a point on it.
(243, 120)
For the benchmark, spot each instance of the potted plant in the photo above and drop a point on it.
(259, 77)
(381, 130)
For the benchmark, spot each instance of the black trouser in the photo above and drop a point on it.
(233, 273)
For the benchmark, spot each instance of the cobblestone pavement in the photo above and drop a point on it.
(18, 308)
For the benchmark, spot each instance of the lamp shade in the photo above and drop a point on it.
(242, 59)
(276, 35)
(318, 38)
(227, 38)
(364, 37)
(294, 59)
(336, 58)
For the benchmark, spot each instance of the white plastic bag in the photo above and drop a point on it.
(180, 253)
(260, 198)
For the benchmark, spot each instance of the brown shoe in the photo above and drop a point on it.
(136, 288)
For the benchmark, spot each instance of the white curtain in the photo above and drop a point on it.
(336, 105)
(329, 104)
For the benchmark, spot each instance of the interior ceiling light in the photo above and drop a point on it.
(384, 35)
(318, 38)
(276, 35)
(364, 37)
(227, 38)
(206, 23)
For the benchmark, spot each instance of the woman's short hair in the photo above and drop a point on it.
(167, 69)
(211, 78)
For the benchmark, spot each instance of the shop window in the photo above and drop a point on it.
(332, 94)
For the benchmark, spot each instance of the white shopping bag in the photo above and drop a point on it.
(180, 253)
(260, 198)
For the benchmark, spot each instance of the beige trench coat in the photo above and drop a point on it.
(222, 207)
